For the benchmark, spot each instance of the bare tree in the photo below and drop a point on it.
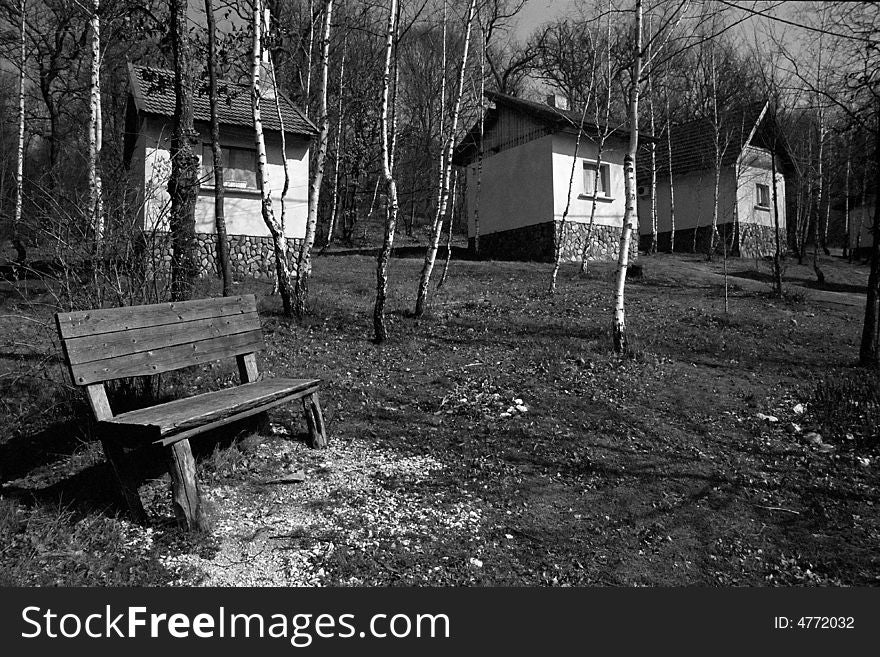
(338, 160)
(183, 185)
(19, 157)
(669, 163)
(629, 171)
(279, 241)
(379, 329)
(304, 266)
(449, 142)
(451, 221)
(603, 123)
(96, 209)
(223, 267)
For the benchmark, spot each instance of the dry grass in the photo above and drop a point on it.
(652, 469)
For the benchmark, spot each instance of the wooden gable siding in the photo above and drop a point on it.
(512, 129)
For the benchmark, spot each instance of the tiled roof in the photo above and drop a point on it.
(153, 92)
(555, 119)
(693, 143)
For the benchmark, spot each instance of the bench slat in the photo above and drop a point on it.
(107, 320)
(169, 358)
(124, 343)
(172, 421)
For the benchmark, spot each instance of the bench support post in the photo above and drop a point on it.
(315, 420)
(185, 495)
(125, 478)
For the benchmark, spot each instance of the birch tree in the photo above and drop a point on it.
(223, 267)
(21, 252)
(446, 161)
(669, 164)
(279, 241)
(603, 120)
(380, 331)
(451, 221)
(183, 186)
(96, 209)
(619, 336)
(304, 265)
(338, 161)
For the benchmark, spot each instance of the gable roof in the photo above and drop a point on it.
(153, 92)
(552, 118)
(693, 142)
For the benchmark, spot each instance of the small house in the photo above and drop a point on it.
(149, 124)
(861, 221)
(745, 191)
(519, 182)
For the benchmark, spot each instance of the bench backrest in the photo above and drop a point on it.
(112, 343)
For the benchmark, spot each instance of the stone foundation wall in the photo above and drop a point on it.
(531, 243)
(759, 241)
(537, 243)
(754, 240)
(604, 243)
(249, 256)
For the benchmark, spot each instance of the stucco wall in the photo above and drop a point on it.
(516, 189)
(694, 194)
(241, 208)
(755, 169)
(609, 211)
(861, 218)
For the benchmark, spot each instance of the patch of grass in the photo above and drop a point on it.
(849, 403)
(53, 546)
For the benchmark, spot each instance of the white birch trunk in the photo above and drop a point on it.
(437, 227)
(451, 215)
(846, 249)
(482, 127)
(671, 183)
(379, 329)
(278, 238)
(304, 266)
(653, 248)
(19, 157)
(96, 214)
(619, 318)
(308, 85)
(335, 200)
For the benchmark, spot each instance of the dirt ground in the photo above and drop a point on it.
(496, 441)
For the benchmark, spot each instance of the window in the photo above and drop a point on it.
(239, 167)
(763, 196)
(593, 185)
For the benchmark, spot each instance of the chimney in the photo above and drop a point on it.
(558, 101)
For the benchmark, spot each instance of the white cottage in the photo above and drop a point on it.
(148, 140)
(745, 195)
(528, 152)
(861, 221)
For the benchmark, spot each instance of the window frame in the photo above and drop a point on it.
(766, 189)
(207, 172)
(604, 180)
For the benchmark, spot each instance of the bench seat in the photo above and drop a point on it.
(170, 422)
(108, 344)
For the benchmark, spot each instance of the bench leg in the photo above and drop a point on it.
(185, 495)
(126, 479)
(315, 420)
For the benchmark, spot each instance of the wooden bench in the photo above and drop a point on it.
(104, 345)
